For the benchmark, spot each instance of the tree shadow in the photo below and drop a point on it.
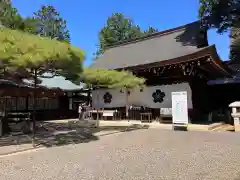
(193, 35)
(51, 134)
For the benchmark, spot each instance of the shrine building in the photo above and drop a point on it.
(178, 59)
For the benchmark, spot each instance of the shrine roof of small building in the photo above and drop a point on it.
(162, 48)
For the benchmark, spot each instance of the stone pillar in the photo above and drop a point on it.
(236, 114)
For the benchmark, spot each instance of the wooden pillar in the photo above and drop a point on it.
(27, 108)
(70, 103)
(199, 97)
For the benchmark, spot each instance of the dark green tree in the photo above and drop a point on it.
(150, 30)
(220, 14)
(45, 22)
(117, 29)
(235, 44)
(50, 24)
(29, 25)
(223, 15)
(9, 16)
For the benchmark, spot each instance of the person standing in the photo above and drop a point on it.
(80, 111)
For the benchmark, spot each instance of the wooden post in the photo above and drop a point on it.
(97, 109)
(127, 104)
(34, 108)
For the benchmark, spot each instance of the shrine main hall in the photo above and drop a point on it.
(178, 59)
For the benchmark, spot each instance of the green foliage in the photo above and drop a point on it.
(223, 15)
(220, 14)
(235, 44)
(50, 24)
(234, 52)
(150, 30)
(118, 29)
(46, 22)
(29, 25)
(20, 53)
(110, 78)
(9, 16)
(26, 52)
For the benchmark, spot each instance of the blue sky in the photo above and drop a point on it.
(86, 18)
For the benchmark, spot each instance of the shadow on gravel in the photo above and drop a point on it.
(58, 134)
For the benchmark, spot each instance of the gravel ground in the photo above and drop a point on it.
(138, 155)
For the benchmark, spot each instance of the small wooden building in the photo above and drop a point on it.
(178, 59)
(16, 97)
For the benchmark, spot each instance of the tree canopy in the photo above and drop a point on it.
(220, 14)
(46, 22)
(9, 16)
(150, 30)
(25, 51)
(119, 28)
(99, 77)
(235, 44)
(223, 15)
(102, 78)
(49, 23)
(33, 56)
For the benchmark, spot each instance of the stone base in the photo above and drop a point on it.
(237, 128)
(180, 128)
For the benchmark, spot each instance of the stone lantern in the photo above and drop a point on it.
(236, 114)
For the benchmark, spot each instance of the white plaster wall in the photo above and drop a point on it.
(140, 98)
(118, 98)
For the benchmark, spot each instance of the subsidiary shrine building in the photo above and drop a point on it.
(178, 59)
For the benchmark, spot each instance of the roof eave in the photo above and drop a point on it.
(205, 52)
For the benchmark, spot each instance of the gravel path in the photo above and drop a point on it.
(138, 155)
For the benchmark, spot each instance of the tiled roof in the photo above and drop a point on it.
(156, 47)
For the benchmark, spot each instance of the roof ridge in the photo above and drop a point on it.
(150, 36)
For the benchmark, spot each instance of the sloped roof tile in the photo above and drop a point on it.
(157, 47)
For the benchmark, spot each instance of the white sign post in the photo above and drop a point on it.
(179, 108)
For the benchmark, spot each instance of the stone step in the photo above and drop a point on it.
(224, 127)
(215, 125)
(166, 120)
